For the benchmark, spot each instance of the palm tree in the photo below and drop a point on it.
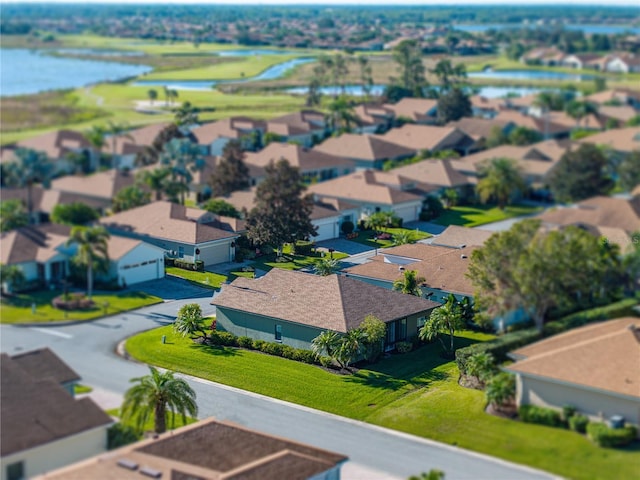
(403, 237)
(545, 100)
(449, 74)
(29, 168)
(579, 110)
(342, 116)
(447, 318)
(501, 178)
(409, 283)
(155, 179)
(327, 343)
(92, 250)
(152, 94)
(190, 321)
(326, 266)
(95, 136)
(366, 76)
(156, 393)
(481, 365)
(450, 198)
(12, 215)
(501, 388)
(115, 130)
(183, 158)
(352, 345)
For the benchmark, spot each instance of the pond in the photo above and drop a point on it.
(272, 73)
(32, 71)
(530, 75)
(586, 28)
(376, 90)
(96, 52)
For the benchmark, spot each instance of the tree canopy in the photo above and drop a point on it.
(453, 105)
(130, 197)
(220, 207)
(231, 172)
(75, 213)
(12, 215)
(500, 179)
(629, 171)
(408, 55)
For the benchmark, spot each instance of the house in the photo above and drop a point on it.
(618, 115)
(480, 129)
(314, 165)
(183, 233)
(431, 138)
(306, 127)
(625, 63)
(545, 125)
(619, 96)
(455, 236)
(209, 449)
(373, 118)
(548, 56)
(43, 426)
(593, 368)
(422, 111)
(621, 140)
(57, 145)
(133, 261)
(367, 151)
(485, 107)
(294, 308)
(200, 186)
(126, 146)
(213, 137)
(440, 174)
(374, 191)
(579, 60)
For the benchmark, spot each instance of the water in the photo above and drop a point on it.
(30, 71)
(99, 53)
(272, 73)
(530, 75)
(376, 90)
(586, 28)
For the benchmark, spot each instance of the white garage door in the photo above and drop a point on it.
(326, 231)
(407, 214)
(214, 254)
(141, 272)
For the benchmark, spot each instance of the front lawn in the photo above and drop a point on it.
(473, 216)
(202, 279)
(294, 261)
(173, 421)
(365, 237)
(17, 309)
(416, 393)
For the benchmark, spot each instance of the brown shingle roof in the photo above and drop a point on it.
(305, 159)
(27, 421)
(440, 173)
(620, 139)
(332, 302)
(134, 141)
(417, 109)
(301, 122)
(42, 364)
(164, 220)
(603, 356)
(233, 127)
(427, 137)
(30, 244)
(103, 185)
(477, 127)
(363, 147)
(56, 144)
(456, 237)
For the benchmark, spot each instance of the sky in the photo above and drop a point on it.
(351, 2)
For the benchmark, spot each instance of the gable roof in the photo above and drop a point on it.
(331, 302)
(534, 123)
(599, 356)
(31, 244)
(42, 363)
(303, 158)
(135, 140)
(45, 200)
(478, 127)
(427, 137)
(455, 236)
(417, 109)
(620, 139)
(363, 147)
(440, 173)
(296, 123)
(56, 144)
(232, 127)
(367, 186)
(103, 185)
(27, 421)
(373, 114)
(164, 220)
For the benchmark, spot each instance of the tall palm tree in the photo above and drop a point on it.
(353, 343)
(366, 76)
(92, 249)
(501, 178)
(341, 116)
(447, 318)
(95, 136)
(579, 110)
(155, 179)
(409, 283)
(183, 158)
(30, 167)
(156, 393)
(152, 94)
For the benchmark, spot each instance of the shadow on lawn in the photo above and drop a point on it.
(380, 380)
(215, 350)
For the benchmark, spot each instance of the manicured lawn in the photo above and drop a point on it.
(416, 393)
(17, 309)
(294, 261)
(472, 216)
(173, 421)
(365, 237)
(202, 279)
(79, 389)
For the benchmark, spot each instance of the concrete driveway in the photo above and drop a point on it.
(172, 288)
(346, 246)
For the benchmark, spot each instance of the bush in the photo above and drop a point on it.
(578, 423)
(347, 227)
(540, 415)
(568, 411)
(605, 436)
(304, 248)
(306, 356)
(287, 351)
(404, 347)
(197, 266)
(73, 301)
(273, 348)
(618, 309)
(245, 342)
(226, 339)
(258, 344)
(119, 435)
(325, 361)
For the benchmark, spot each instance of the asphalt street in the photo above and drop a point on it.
(375, 453)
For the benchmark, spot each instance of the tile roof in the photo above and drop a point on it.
(164, 220)
(187, 453)
(103, 185)
(31, 244)
(620, 139)
(331, 302)
(456, 237)
(366, 186)
(427, 137)
(305, 159)
(372, 114)
(27, 421)
(363, 147)
(602, 356)
(440, 173)
(534, 123)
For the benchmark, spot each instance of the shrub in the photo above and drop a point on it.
(119, 435)
(287, 351)
(540, 415)
(306, 356)
(578, 423)
(326, 361)
(73, 301)
(304, 248)
(245, 342)
(226, 339)
(568, 411)
(605, 436)
(347, 227)
(197, 266)
(273, 348)
(404, 347)
(258, 344)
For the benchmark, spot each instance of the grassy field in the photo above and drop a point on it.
(473, 216)
(416, 393)
(295, 261)
(17, 309)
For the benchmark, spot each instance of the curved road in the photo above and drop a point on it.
(375, 453)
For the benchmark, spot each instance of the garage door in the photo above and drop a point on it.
(326, 231)
(215, 254)
(407, 214)
(141, 272)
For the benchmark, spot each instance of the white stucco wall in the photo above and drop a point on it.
(57, 454)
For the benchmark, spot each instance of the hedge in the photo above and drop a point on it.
(540, 415)
(197, 266)
(578, 423)
(622, 308)
(605, 436)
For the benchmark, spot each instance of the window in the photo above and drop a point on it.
(421, 322)
(15, 471)
(391, 333)
(278, 333)
(402, 329)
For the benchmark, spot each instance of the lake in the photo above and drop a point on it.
(377, 90)
(586, 28)
(32, 71)
(530, 75)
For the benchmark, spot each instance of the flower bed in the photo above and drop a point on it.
(73, 301)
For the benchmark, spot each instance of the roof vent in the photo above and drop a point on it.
(128, 464)
(150, 472)
(401, 269)
(463, 256)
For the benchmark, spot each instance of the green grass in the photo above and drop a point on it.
(202, 279)
(294, 261)
(80, 389)
(365, 237)
(173, 421)
(473, 216)
(17, 309)
(415, 393)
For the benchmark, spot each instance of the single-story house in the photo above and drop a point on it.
(126, 146)
(622, 96)
(214, 136)
(43, 426)
(313, 164)
(625, 63)
(621, 140)
(133, 261)
(305, 127)
(619, 115)
(367, 151)
(545, 125)
(579, 60)
(374, 191)
(440, 174)
(430, 138)
(484, 107)
(423, 111)
(294, 308)
(548, 56)
(455, 236)
(182, 233)
(186, 453)
(593, 368)
(200, 187)
(481, 128)
(373, 118)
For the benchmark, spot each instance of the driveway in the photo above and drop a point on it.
(172, 288)
(346, 246)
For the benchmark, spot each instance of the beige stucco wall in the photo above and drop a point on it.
(59, 453)
(597, 406)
